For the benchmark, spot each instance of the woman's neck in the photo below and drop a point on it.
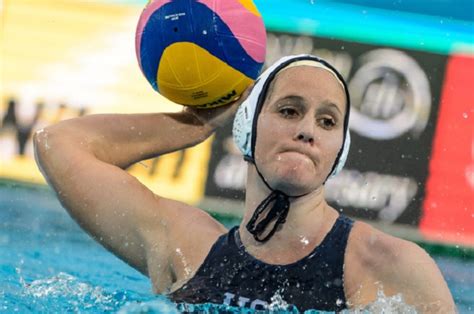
(308, 221)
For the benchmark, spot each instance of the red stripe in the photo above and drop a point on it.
(448, 213)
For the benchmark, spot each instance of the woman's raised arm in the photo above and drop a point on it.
(83, 159)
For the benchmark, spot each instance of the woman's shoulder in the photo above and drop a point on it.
(375, 248)
(376, 261)
(369, 254)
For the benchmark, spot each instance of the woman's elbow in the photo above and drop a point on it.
(51, 146)
(54, 138)
(44, 149)
(46, 142)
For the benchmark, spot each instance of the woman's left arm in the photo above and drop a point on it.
(415, 274)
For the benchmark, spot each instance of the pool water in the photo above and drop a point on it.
(48, 264)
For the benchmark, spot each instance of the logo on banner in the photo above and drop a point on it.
(390, 95)
(389, 195)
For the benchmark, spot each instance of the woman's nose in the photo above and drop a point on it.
(305, 131)
(305, 137)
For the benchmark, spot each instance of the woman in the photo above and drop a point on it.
(293, 130)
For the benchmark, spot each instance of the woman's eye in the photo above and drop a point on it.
(327, 123)
(288, 112)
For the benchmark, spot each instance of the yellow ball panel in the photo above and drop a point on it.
(232, 94)
(186, 64)
(190, 75)
(249, 5)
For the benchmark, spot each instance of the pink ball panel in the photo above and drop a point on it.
(246, 26)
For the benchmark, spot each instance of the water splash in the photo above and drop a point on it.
(277, 303)
(64, 289)
(161, 305)
(64, 292)
(187, 269)
(40, 136)
(384, 304)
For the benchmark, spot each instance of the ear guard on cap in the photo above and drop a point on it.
(242, 128)
(243, 121)
(341, 161)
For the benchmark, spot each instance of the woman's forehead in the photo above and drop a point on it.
(307, 81)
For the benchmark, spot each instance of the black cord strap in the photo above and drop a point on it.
(279, 211)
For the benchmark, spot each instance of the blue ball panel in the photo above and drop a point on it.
(199, 25)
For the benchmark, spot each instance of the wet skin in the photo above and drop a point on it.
(299, 134)
(300, 129)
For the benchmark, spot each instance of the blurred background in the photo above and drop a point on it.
(410, 70)
(409, 65)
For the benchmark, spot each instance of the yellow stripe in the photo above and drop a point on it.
(189, 74)
(23, 169)
(249, 5)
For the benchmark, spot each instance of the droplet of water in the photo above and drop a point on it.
(304, 240)
(187, 269)
(277, 303)
(464, 115)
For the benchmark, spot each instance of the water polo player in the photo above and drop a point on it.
(293, 131)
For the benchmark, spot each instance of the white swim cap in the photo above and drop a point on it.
(245, 122)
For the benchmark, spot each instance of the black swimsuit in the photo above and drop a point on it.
(231, 276)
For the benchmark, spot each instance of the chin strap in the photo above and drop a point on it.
(278, 211)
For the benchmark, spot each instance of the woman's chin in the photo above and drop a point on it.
(293, 189)
(294, 183)
(297, 170)
(293, 174)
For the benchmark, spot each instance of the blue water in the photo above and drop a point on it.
(47, 264)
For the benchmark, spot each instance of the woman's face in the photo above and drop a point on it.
(300, 129)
